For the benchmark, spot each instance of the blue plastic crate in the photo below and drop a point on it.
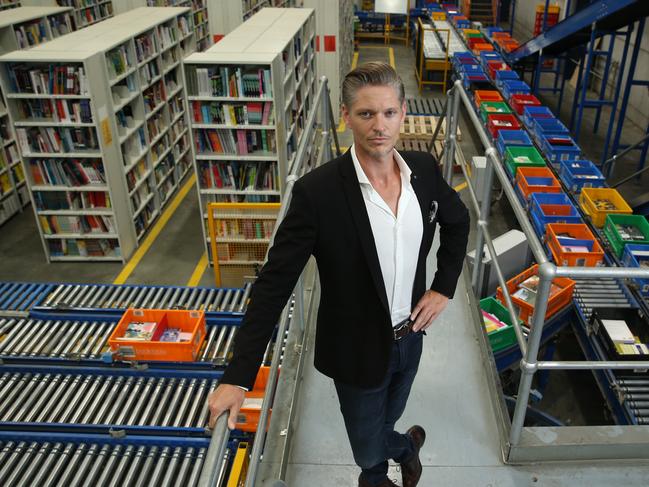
(533, 112)
(578, 174)
(471, 69)
(632, 256)
(566, 150)
(511, 87)
(463, 24)
(512, 138)
(490, 30)
(548, 126)
(474, 82)
(486, 56)
(542, 216)
(503, 74)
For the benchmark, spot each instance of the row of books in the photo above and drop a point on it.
(55, 224)
(241, 142)
(92, 15)
(10, 154)
(153, 331)
(71, 200)
(143, 219)
(167, 35)
(134, 176)
(229, 81)
(153, 96)
(60, 25)
(30, 34)
(5, 184)
(49, 79)
(244, 229)
(148, 72)
(240, 252)
(144, 47)
(95, 247)
(184, 24)
(118, 61)
(67, 172)
(56, 139)
(57, 110)
(239, 198)
(247, 176)
(142, 193)
(252, 113)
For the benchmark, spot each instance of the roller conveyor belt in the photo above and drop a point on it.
(30, 339)
(17, 298)
(75, 300)
(121, 399)
(64, 460)
(608, 293)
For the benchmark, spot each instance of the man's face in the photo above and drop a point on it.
(375, 118)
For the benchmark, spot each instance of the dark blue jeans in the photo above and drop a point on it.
(370, 414)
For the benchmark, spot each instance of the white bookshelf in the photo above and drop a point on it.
(227, 15)
(199, 9)
(26, 27)
(335, 44)
(100, 121)
(22, 28)
(7, 4)
(85, 12)
(249, 97)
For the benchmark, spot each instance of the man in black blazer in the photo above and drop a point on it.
(368, 217)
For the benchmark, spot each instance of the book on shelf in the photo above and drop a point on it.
(5, 183)
(52, 80)
(56, 139)
(30, 34)
(72, 111)
(56, 224)
(67, 172)
(229, 81)
(117, 61)
(239, 142)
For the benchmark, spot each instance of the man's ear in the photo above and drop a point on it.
(345, 113)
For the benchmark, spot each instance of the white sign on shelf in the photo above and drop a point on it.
(391, 6)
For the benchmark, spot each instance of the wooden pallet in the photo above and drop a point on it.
(424, 106)
(418, 145)
(423, 127)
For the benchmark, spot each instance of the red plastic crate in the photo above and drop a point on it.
(560, 294)
(472, 41)
(501, 121)
(493, 66)
(565, 241)
(519, 101)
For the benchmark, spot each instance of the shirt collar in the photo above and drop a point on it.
(404, 169)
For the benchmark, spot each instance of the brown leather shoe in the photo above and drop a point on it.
(385, 483)
(411, 469)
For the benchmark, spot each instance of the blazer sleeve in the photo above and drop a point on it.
(293, 245)
(454, 221)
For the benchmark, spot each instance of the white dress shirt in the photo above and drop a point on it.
(397, 237)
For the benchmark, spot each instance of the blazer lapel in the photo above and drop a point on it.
(354, 197)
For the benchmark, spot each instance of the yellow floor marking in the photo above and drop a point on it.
(198, 271)
(391, 53)
(460, 186)
(154, 232)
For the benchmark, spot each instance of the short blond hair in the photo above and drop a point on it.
(373, 73)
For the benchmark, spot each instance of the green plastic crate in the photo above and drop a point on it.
(614, 237)
(504, 337)
(516, 157)
(490, 107)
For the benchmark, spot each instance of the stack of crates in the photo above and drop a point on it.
(551, 19)
(480, 96)
(531, 180)
(505, 74)
(516, 157)
(505, 41)
(512, 87)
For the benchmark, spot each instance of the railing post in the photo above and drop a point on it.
(529, 364)
(451, 131)
(485, 209)
(215, 452)
(326, 115)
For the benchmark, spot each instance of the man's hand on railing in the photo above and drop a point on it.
(225, 397)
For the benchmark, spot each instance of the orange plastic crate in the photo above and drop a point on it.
(560, 294)
(536, 180)
(248, 417)
(482, 46)
(501, 35)
(486, 95)
(473, 41)
(564, 240)
(190, 321)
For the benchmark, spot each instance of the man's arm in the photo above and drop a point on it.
(454, 221)
(292, 247)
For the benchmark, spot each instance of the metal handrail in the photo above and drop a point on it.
(547, 270)
(214, 459)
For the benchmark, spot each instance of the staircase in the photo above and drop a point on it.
(483, 11)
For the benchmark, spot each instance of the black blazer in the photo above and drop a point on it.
(327, 218)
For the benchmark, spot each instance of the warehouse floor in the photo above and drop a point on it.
(463, 445)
